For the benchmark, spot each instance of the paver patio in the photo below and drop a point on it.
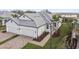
(5, 36)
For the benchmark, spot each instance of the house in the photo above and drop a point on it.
(68, 15)
(31, 24)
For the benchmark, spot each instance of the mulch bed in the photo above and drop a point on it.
(56, 34)
(40, 38)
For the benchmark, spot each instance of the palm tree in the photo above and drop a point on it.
(14, 15)
(56, 17)
(71, 43)
(20, 12)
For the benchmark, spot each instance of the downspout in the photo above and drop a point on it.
(37, 32)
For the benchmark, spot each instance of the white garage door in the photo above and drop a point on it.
(13, 29)
(22, 31)
(28, 32)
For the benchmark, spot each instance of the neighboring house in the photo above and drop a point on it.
(4, 20)
(5, 17)
(68, 15)
(30, 24)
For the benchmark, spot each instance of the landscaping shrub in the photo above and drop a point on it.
(3, 31)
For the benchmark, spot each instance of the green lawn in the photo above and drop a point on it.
(64, 30)
(57, 42)
(1, 27)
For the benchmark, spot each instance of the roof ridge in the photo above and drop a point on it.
(43, 17)
(19, 24)
(31, 19)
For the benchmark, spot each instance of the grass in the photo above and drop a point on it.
(2, 27)
(32, 46)
(64, 30)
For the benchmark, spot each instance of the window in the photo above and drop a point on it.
(47, 26)
(54, 24)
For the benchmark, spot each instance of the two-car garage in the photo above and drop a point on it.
(28, 31)
(21, 30)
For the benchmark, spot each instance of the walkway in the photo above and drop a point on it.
(42, 43)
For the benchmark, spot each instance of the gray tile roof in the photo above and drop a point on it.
(45, 17)
(21, 22)
(36, 19)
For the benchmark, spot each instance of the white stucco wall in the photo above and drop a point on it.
(28, 31)
(9, 23)
(58, 24)
(41, 30)
(48, 30)
(12, 27)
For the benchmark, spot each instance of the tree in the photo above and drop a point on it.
(1, 18)
(14, 15)
(20, 12)
(28, 11)
(55, 17)
(71, 43)
(48, 11)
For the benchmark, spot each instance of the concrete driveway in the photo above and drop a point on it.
(21, 41)
(5, 36)
(15, 43)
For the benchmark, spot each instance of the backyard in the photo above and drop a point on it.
(57, 42)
